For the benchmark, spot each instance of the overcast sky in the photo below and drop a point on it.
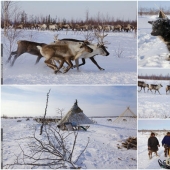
(154, 4)
(93, 100)
(151, 71)
(153, 124)
(124, 10)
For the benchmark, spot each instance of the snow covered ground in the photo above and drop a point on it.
(118, 70)
(101, 153)
(151, 105)
(152, 52)
(143, 160)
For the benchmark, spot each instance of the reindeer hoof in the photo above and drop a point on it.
(56, 71)
(102, 69)
(65, 71)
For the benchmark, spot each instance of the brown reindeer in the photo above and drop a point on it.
(167, 88)
(26, 47)
(64, 53)
(142, 85)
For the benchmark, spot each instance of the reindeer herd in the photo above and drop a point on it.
(151, 87)
(76, 27)
(62, 51)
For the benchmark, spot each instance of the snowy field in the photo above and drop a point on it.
(118, 70)
(152, 52)
(101, 153)
(151, 105)
(143, 159)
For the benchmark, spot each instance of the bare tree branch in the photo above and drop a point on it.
(82, 151)
(45, 112)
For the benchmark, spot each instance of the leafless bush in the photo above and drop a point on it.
(51, 150)
(119, 51)
(10, 41)
(153, 11)
(31, 35)
(60, 112)
(10, 34)
(4, 116)
(155, 77)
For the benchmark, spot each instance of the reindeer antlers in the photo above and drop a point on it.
(89, 36)
(56, 37)
(100, 38)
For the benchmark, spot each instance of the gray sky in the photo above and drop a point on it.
(153, 124)
(154, 71)
(93, 100)
(154, 4)
(123, 10)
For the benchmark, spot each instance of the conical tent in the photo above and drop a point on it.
(75, 115)
(126, 116)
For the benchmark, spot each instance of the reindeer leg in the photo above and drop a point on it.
(77, 64)
(17, 54)
(9, 58)
(60, 66)
(94, 61)
(15, 57)
(53, 62)
(83, 62)
(158, 91)
(140, 89)
(38, 58)
(70, 65)
(49, 64)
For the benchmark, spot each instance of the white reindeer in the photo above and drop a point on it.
(155, 87)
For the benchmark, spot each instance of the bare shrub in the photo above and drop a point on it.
(4, 116)
(60, 112)
(52, 150)
(10, 41)
(119, 51)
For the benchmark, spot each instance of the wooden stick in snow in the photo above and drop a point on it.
(45, 113)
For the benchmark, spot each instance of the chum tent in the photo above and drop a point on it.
(126, 116)
(75, 115)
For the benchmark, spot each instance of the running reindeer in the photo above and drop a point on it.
(155, 87)
(63, 52)
(98, 49)
(142, 85)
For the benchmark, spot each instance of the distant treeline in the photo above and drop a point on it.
(155, 77)
(164, 130)
(24, 18)
(153, 11)
(15, 117)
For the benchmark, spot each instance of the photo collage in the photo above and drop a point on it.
(85, 84)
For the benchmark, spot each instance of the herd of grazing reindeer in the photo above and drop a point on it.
(62, 51)
(76, 27)
(151, 87)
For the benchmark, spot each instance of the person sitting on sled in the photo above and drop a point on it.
(153, 144)
(166, 144)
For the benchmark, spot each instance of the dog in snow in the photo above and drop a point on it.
(161, 28)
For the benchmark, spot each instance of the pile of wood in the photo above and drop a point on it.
(129, 143)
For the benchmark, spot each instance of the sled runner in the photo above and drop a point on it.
(163, 164)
